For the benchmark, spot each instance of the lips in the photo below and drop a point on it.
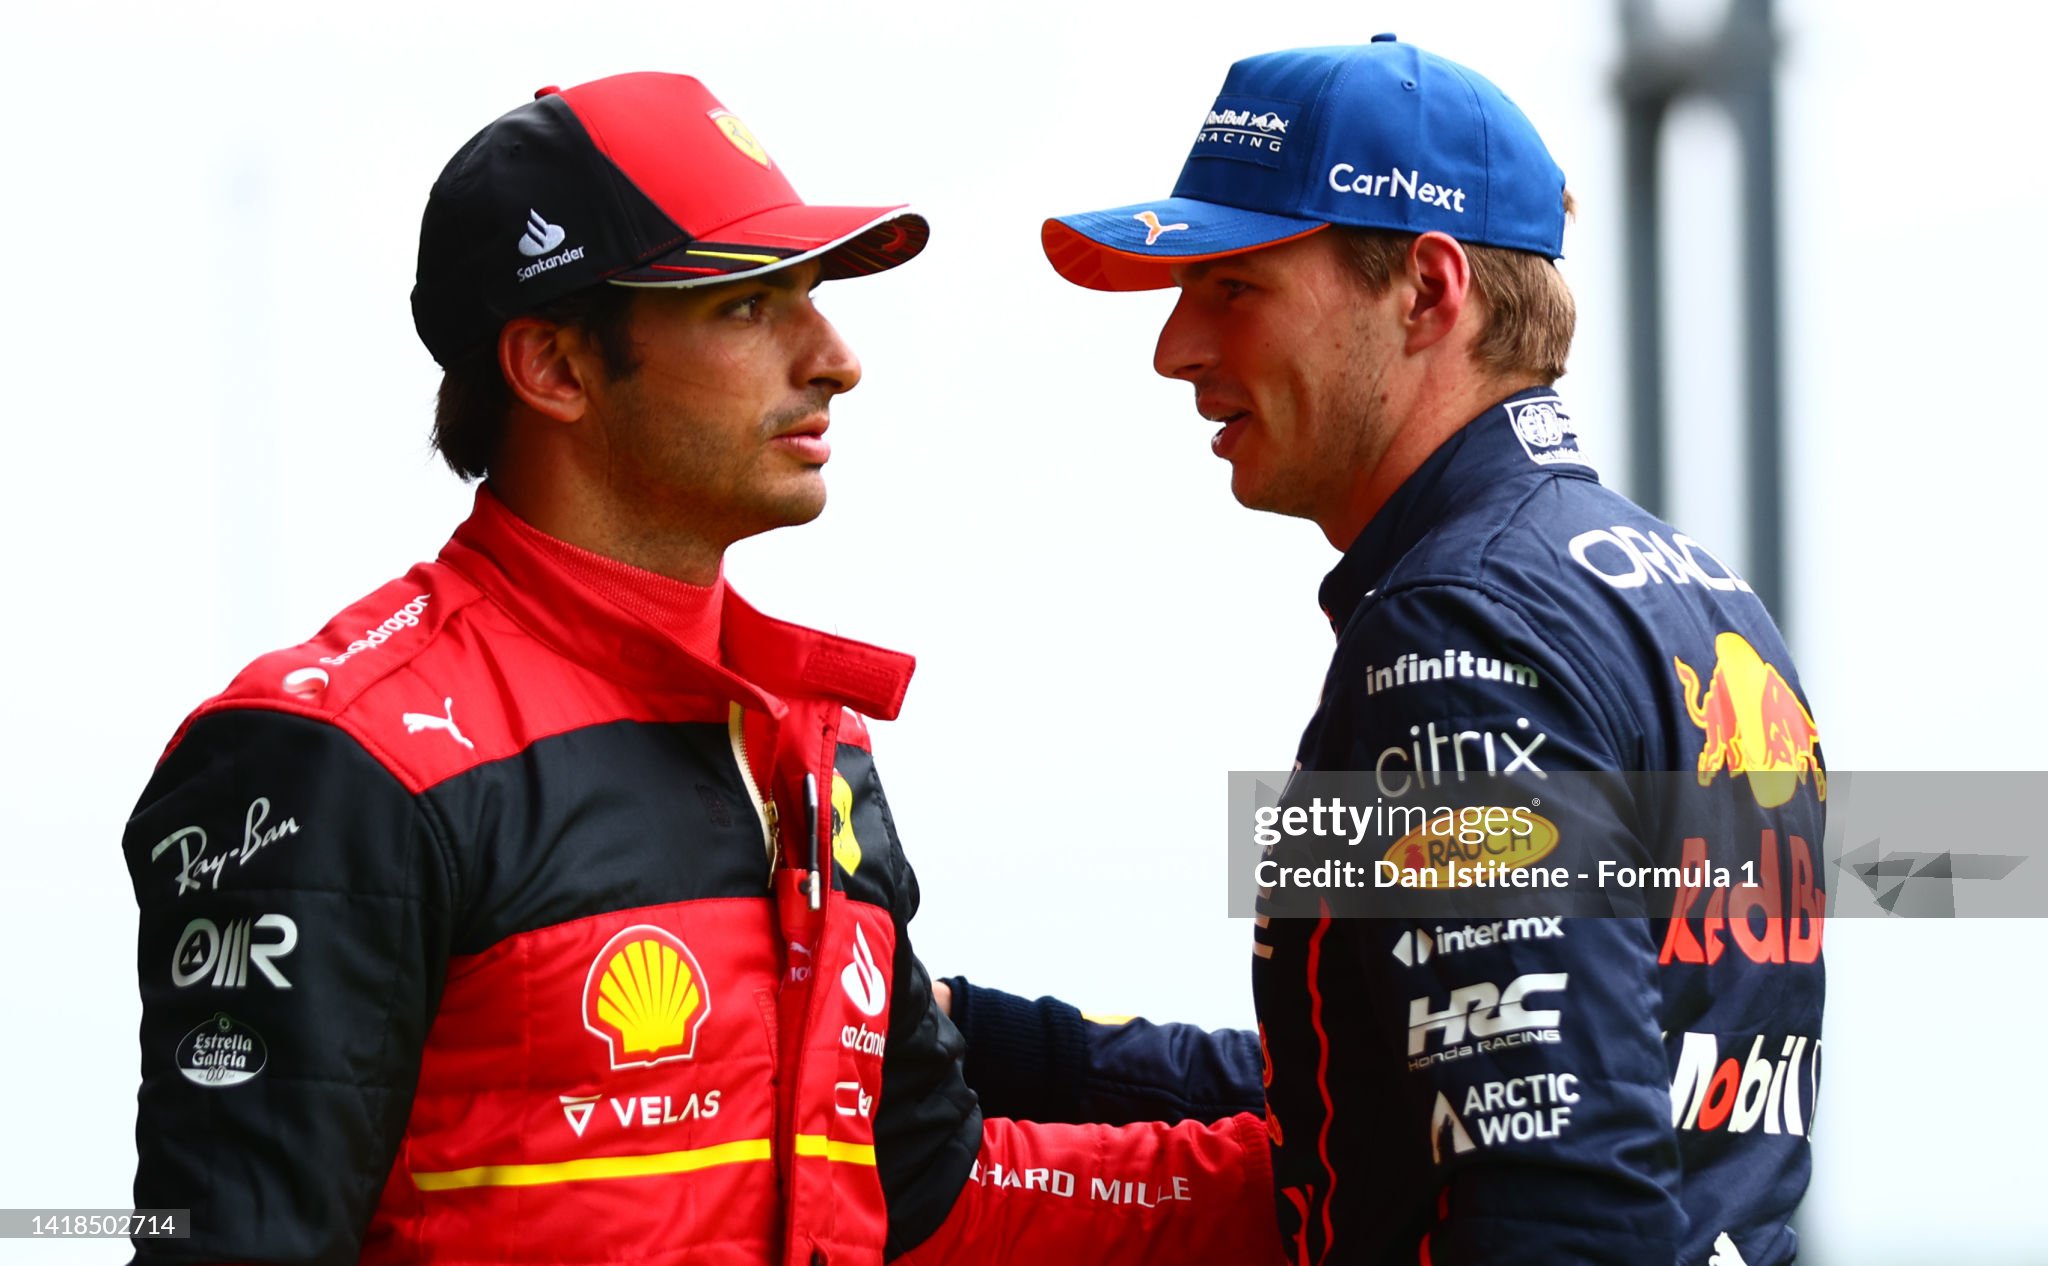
(806, 440)
(1236, 421)
(1234, 427)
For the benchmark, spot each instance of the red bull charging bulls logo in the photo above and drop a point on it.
(1755, 724)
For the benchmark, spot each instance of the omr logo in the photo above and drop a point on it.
(646, 997)
(540, 236)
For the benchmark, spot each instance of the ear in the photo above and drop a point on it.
(1440, 277)
(547, 366)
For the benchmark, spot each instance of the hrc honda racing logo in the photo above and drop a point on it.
(1495, 1016)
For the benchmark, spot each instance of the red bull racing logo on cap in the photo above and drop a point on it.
(1252, 130)
(1755, 724)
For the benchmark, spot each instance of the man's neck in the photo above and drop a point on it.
(1434, 416)
(600, 525)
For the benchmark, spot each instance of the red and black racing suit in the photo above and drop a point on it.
(477, 929)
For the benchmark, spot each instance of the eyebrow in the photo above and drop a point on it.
(780, 279)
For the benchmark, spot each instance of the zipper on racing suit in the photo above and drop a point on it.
(805, 899)
(764, 805)
(802, 914)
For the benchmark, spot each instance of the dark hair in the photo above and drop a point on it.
(471, 408)
(1529, 310)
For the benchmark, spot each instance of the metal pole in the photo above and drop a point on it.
(1642, 127)
(1754, 105)
(1735, 65)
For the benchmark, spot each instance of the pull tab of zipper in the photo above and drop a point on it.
(814, 886)
(764, 806)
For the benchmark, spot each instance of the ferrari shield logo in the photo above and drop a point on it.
(742, 139)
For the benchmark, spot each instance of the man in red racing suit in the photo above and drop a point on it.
(545, 906)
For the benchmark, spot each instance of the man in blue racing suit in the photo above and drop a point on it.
(1363, 241)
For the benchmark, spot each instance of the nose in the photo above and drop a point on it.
(1185, 349)
(832, 367)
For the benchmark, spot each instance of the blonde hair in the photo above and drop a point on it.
(1530, 314)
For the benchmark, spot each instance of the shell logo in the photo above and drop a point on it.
(1439, 847)
(845, 848)
(646, 997)
(741, 137)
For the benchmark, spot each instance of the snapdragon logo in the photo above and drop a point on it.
(1395, 183)
(398, 621)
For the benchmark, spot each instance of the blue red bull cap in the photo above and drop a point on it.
(1380, 135)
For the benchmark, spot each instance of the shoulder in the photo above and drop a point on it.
(1579, 584)
(398, 662)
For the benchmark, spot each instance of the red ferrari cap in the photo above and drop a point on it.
(642, 179)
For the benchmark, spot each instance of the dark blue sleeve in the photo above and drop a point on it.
(1044, 1061)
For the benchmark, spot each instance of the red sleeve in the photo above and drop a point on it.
(1081, 1194)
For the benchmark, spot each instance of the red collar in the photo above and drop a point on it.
(642, 628)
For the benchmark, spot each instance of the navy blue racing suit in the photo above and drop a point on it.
(1532, 1088)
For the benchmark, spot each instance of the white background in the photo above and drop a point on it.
(218, 433)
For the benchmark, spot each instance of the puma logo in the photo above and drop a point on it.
(415, 722)
(1153, 228)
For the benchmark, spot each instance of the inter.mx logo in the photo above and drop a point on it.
(1416, 947)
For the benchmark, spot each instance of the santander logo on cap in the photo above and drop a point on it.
(540, 236)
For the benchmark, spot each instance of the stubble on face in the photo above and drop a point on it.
(682, 462)
(1329, 417)
(689, 441)
(1342, 427)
